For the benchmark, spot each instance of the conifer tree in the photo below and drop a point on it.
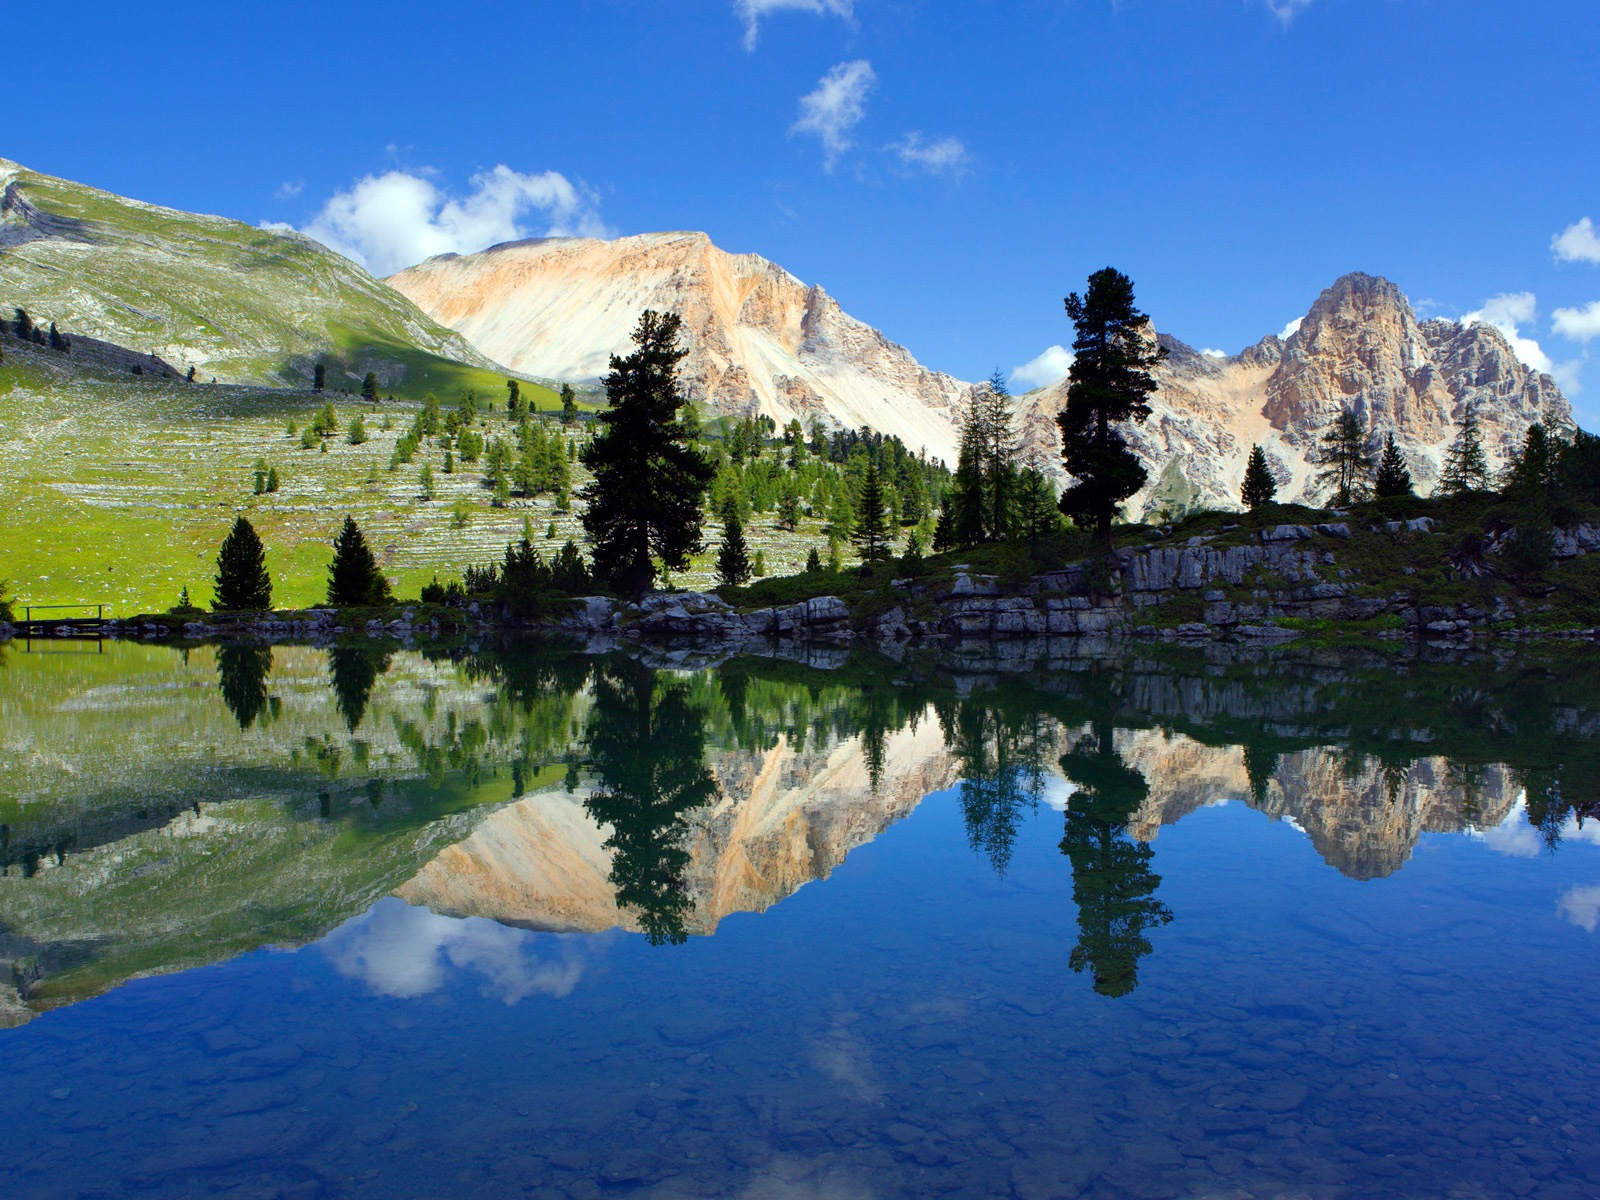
(873, 537)
(1259, 486)
(1346, 465)
(569, 404)
(733, 559)
(353, 576)
(319, 379)
(23, 326)
(966, 500)
(1536, 468)
(1393, 477)
(1466, 469)
(813, 562)
(1036, 503)
(57, 342)
(272, 479)
(425, 482)
(369, 386)
(649, 482)
(789, 507)
(513, 398)
(242, 582)
(1000, 454)
(1108, 386)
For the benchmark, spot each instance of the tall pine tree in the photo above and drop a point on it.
(872, 535)
(1346, 465)
(649, 482)
(1108, 386)
(353, 576)
(242, 582)
(1393, 477)
(733, 557)
(1259, 486)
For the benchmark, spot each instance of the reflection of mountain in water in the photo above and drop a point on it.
(1364, 818)
(779, 819)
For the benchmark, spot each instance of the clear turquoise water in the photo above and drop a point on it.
(912, 1024)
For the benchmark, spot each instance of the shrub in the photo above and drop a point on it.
(358, 431)
(461, 512)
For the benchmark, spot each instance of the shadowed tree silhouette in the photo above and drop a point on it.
(1112, 883)
(242, 679)
(1002, 772)
(353, 670)
(646, 743)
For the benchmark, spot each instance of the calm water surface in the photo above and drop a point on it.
(312, 923)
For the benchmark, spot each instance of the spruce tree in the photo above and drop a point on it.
(789, 507)
(1466, 469)
(966, 499)
(1346, 465)
(319, 378)
(1000, 482)
(1393, 477)
(813, 562)
(242, 582)
(353, 576)
(733, 559)
(649, 482)
(57, 342)
(1108, 386)
(23, 326)
(513, 398)
(369, 386)
(872, 537)
(1259, 486)
(569, 404)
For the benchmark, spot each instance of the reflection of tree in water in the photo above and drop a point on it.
(1001, 757)
(242, 678)
(354, 670)
(1553, 798)
(646, 744)
(1112, 882)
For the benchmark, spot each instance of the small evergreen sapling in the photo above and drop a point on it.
(1393, 477)
(242, 582)
(733, 558)
(1259, 487)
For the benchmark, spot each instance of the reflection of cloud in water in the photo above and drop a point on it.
(1581, 906)
(1516, 837)
(402, 950)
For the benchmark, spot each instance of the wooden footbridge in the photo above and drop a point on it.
(78, 625)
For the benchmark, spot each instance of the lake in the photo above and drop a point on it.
(534, 921)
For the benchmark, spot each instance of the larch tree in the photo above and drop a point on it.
(1342, 455)
(645, 501)
(1259, 486)
(1108, 386)
(242, 582)
(1466, 467)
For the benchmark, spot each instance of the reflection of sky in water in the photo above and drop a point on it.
(1514, 836)
(401, 950)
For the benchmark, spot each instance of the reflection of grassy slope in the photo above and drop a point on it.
(110, 754)
(244, 304)
(119, 489)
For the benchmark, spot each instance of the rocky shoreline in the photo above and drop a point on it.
(1282, 582)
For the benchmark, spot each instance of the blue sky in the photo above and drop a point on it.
(956, 170)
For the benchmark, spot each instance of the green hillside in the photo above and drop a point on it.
(241, 304)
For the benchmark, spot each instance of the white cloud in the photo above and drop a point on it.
(1577, 243)
(835, 107)
(941, 156)
(400, 950)
(1579, 324)
(288, 190)
(1287, 10)
(1581, 906)
(395, 220)
(1291, 329)
(1209, 353)
(751, 12)
(1507, 312)
(1046, 369)
(278, 227)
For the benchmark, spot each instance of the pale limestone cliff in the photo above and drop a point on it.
(781, 819)
(760, 341)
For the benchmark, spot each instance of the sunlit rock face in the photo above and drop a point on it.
(1364, 820)
(781, 818)
(759, 340)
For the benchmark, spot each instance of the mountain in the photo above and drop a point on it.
(1361, 346)
(762, 341)
(243, 304)
(759, 340)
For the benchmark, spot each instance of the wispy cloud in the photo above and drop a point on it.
(751, 13)
(1042, 370)
(936, 156)
(1578, 242)
(395, 220)
(835, 107)
(1210, 353)
(289, 189)
(1579, 324)
(1287, 10)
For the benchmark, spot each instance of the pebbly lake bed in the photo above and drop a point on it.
(533, 921)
